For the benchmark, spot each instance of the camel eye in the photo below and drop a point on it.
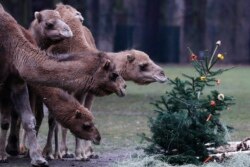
(86, 127)
(49, 25)
(143, 67)
(114, 76)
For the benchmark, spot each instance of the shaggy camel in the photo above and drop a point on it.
(33, 65)
(114, 78)
(52, 28)
(133, 65)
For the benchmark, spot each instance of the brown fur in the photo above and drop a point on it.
(76, 44)
(136, 66)
(105, 89)
(125, 61)
(133, 65)
(34, 66)
(48, 28)
(72, 115)
(91, 82)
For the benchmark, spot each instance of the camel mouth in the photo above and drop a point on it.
(96, 142)
(160, 78)
(66, 33)
(121, 93)
(81, 19)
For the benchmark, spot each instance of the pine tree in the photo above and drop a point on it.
(188, 118)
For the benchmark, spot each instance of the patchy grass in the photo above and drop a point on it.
(240, 160)
(121, 119)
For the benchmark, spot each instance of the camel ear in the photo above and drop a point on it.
(38, 16)
(1, 7)
(78, 114)
(59, 4)
(130, 58)
(107, 65)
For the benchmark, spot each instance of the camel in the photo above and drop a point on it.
(133, 65)
(49, 28)
(106, 88)
(27, 63)
(52, 27)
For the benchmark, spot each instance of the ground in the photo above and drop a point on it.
(120, 120)
(105, 160)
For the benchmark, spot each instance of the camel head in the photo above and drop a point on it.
(67, 11)
(82, 126)
(141, 69)
(107, 79)
(48, 24)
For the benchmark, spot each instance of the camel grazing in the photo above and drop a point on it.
(107, 86)
(51, 27)
(27, 62)
(133, 65)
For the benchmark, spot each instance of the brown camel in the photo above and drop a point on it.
(51, 26)
(133, 65)
(31, 64)
(105, 89)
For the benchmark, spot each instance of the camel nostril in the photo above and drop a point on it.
(125, 86)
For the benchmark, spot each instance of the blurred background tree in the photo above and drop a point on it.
(162, 28)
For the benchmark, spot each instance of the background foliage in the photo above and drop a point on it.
(162, 28)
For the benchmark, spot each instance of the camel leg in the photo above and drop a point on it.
(48, 150)
(80, 155)
(87, 145)
(20, 100)
(39, 113)
(12, 147)
(37, 108)
(57, 154)
(4, 129)
(23, 150)
(63, 145)
(5, 123)
(78, 149)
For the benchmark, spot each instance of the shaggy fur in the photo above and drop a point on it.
(133, 65)
(96, 80)
(33, 65)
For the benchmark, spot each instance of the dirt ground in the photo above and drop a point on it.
(107, 159)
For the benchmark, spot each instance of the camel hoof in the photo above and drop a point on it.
(47, 153)
(85, 159)
(49, 157)
(3, 158)
(57, 156)
(39, 163)
(79, 158)
(12, 150)
(23, 150)
(94, 156)
(3, 161)
(68, 155)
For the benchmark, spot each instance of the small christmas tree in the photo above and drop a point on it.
(188, 120)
